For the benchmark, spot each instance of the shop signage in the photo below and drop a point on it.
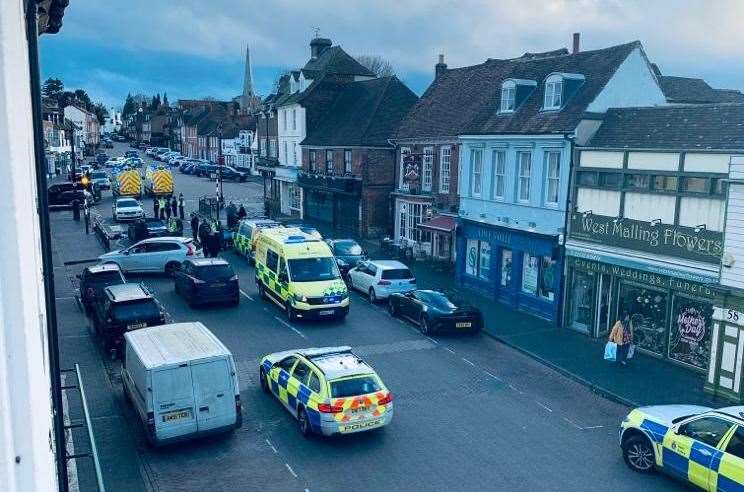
(663, 239)
(411, 168)
(648, 278)
(691, 324)
(728, 315)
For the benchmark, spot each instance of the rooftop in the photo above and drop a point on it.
(127, 292)
(175, 343)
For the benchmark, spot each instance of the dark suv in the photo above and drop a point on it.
(96, 278)
(123, 308)
(207, 280)
(232, 173)
(65, 193)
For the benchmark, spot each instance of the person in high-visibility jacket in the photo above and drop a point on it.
(162, 204)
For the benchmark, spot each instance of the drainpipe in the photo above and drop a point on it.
(569, 208)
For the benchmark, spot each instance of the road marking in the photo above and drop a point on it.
(572, 423)
(431, 339)
(246, 295)
(271, 446)
(593, 427)
(544, 406)
(290, 470)
(290, 327)
(515, 389)
(468, 361)
(493, 376)
(449, 350)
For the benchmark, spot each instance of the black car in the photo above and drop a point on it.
(204, 169)
(232, 173)
(131, 153)
(207, 280)
(96, 278)
(65, 194)
(146, 228)
(435, 311)
(123, 308)
(347, 252)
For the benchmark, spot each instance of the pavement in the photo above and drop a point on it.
(470, 412)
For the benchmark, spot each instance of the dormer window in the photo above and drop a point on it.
(508, 96)
(553, 92)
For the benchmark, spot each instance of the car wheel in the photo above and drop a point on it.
(639, 454)
(372, 296)
(424, 325)
(264, 382)
(171, 268)
(392, 309)
(291, 316)
(349, 283)
(303, 422)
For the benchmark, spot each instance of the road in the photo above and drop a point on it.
(470, 413)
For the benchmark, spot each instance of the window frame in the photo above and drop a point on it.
(312, 160)
(498, 156)
(524, 178)
(508, 97)
(401, 168)
(473, 153)
(427, 169)
(553, 89)
(444, 171)
(549, 179)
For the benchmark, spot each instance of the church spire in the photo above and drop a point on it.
(248, 78)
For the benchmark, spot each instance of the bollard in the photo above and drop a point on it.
(76, 210)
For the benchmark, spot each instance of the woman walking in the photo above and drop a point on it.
(622, 335)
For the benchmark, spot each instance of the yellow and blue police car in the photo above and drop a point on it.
(329, 390)
(699, 445)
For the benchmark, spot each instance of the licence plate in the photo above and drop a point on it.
(136, 326)
(170, 417)
(213, 175)
(326, 312)
(464, 324)
(219, 284)
(371, 424)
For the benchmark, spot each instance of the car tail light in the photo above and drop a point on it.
(413, 281)
(327, 408)
(383, 282)
(189, 250)
(386, 399)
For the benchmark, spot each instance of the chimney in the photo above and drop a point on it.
(576, 42)
(318, 46)
(440, 67)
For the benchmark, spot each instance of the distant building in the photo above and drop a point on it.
(249, 102)
(90, 127)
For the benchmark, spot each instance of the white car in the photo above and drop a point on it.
(116, 161)
(159, 254)
(127, 209)
(380, 278)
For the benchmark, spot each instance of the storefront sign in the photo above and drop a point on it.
(690, 333)
(648, 278)
(664, 239)
(411, 168)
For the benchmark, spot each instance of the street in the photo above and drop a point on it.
(470, 413)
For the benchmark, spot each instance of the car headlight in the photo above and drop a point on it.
(300, 298)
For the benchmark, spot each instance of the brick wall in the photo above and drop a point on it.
(449, 199)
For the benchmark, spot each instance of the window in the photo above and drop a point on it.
(272, 259)
(484, 269)
(284, 119)
(720, 186)
(665, 183)
(546, 288)
(587, 178)
(294, 152)
(498, 159)
(610, 180)
(347, 161)
(313, 160)
(286, 152)
(508, 96)
(637, 181)
(301, 372)
(553, 170)
(736, 444)
(553, 93)
(445, 155)
(287, 363)
(525, 172)
(295, 197)
(272, 148)
(506, 267)
(263, 147)
(696, 185)
(428, 165)
(476, 172)
(478, 256)
(314, 383)
(411, 215)
(294, 119)
(530, 273)
(401, 183)
(708, 430)
(329, 161)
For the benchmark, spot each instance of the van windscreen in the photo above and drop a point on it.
(313, 269)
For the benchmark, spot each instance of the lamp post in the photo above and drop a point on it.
(70, 133)
(220, 164)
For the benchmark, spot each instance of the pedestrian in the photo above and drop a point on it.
(232, 215)
(622, 336)
(163, 205)
(203, 235)
(86, 216)
(181, 205)
(194, 225)
(214, 244)
(174, 206)
(155, 207)
(242, 214)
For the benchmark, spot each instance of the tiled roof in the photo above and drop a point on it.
(692, 90)
(466, 100)
(690, 127)
(365, 113)
(335, 61)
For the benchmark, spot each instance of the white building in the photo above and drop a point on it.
(237, 149)
(90, 127)
(113, 121)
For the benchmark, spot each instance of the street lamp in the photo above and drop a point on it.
(220, 164)
(70, 133)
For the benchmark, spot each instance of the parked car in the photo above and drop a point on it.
(160, 152)
(131, 153)
(145, 228)
(101, 180)
(182, 382)
(189, 168)
(101, 158)
(127, 209)
(435, 311)
(94, 279)
(123, 308)
(134, 162)
(232, 173)
(184, 162)
(66, 193)
(204, 169)
(207, 280)
(161, 254)
(380, 278)
(348, 254)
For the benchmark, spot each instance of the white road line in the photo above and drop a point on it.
(271, 446)
(431, 340)
(544, 406)
(515, 389)
(493, 376)
(246, 295)
(290, 470)
(468, 362)
(290, 327)
(593, 427)
(449, 350)
(573, 423)
(64, 298)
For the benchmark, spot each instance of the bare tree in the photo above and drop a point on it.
(377, 65)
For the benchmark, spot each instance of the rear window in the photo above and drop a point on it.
(144, 308)
(397, 274)
(350, 248)
(354, 387)
(108, 278)
(127, 203)
(214, 272)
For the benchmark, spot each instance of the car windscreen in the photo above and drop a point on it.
(139, 309)
(105, 278)
(313, 269)
(397, 274)
(347, 248)
(438, 300)
(127, 203)
(213, 273)
(354, 387)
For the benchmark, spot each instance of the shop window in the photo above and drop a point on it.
(720, 186)
(506, 267)
(546, 288)
(610, 180)
(666, 183)
(647, 309)
(696, 185)
(581, 300)
(329, 162)
(478, 256)
(347, 161)
(587, 178)
(313, 158)
(637, 181)
(295, 197)
(530, 273)
(484, 261)
(690, 332)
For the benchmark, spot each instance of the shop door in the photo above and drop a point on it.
(346, 214)
(581, 301)
(319, 206)
(604, 319)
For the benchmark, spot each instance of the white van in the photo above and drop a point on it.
(182, 381)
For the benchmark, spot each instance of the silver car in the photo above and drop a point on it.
(127, 209)
(380, 278)
(159, 255)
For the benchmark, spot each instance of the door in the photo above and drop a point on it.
(173, 402)
(356, 274)
(298, 379)
(688, 453)
(214, 394)
(279, 377)
(604, 320)
(730, 476)
(581, 300)
(346, 214)
(133, 260)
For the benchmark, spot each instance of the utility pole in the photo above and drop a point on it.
(71, 136)
(220, 165)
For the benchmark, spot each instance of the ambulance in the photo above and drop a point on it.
(298, 272)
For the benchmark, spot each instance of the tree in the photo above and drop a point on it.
(101, 113)
(165, 99)
(52, 88)
(377, 65)
(83, 98)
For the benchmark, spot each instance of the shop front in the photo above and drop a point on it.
(518, 268)
(671, 312)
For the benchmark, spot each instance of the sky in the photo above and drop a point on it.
(196, 48)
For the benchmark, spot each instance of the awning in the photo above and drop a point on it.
(440, 223)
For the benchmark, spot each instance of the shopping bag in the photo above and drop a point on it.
(631, 351)
(610, 352)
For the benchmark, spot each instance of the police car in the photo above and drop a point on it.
(702, 446)
(329, 390)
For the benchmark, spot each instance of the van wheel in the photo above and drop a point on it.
(264, 382)
(291, 316)
(304, 423)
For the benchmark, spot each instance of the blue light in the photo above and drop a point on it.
(294, 239)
